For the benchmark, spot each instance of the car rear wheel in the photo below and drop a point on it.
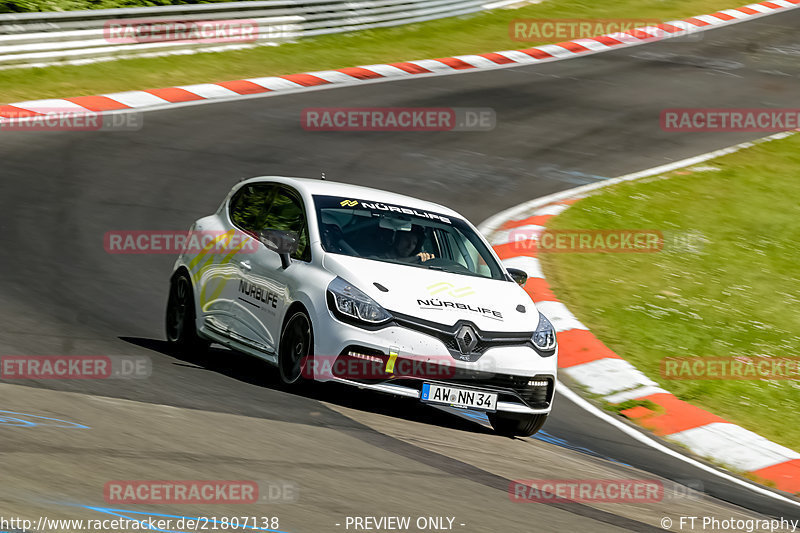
(180, 319)
(516, 425)
(296, 346)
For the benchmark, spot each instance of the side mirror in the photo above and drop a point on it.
(283, 243)
(520, 276)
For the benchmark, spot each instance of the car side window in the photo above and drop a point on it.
(287, 213)
(250, 205)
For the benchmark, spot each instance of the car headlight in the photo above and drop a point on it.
(347, 301)
(544, 337)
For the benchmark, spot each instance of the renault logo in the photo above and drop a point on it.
(467, 339)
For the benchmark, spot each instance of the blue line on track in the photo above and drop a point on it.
(19, 422)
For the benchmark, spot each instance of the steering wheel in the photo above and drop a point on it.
(334, 239)
(440, 262)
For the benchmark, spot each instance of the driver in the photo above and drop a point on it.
(406, 246)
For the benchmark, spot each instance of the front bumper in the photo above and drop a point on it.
(509, 400)
(507, 370)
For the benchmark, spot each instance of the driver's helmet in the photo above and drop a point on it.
(419, 232)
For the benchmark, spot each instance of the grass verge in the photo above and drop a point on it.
(735, 292)
(484, 32)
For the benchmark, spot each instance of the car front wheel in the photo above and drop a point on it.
(296, 346)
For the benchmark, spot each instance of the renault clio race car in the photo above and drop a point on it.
(330, 281)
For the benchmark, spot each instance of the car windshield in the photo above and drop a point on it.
(403, 235)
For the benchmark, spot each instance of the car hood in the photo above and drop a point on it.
(441, 297)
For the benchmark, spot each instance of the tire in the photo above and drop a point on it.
(516, 425)
(180, 319)
(296, 345)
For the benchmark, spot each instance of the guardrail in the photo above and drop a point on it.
(74, 37)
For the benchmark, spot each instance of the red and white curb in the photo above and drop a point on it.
(585, 359)
(230, 90)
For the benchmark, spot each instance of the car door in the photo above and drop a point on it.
(247, 213)
(217, 246)
(265, 284)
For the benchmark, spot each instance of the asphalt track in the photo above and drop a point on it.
(559, 125)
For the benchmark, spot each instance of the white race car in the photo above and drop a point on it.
(330, 281)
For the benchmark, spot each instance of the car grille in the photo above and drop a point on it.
(482, 346)
(447, 335)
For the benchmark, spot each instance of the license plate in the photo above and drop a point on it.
(473, 399)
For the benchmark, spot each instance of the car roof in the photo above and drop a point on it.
(333, 188)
